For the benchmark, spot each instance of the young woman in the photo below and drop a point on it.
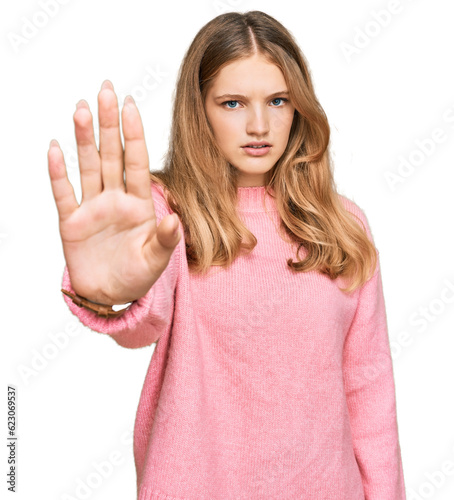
(260, 285)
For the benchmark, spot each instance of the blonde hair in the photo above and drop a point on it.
(201, 185)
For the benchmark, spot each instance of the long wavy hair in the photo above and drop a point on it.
(201, 185)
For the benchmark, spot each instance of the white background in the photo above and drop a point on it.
(77, 402)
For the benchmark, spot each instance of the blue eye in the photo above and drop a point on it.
(228, 102)
(280, 99)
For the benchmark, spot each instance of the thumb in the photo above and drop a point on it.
(168, 233)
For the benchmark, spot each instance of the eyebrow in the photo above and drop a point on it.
(239, 96)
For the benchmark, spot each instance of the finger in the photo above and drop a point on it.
(168, 232)
(110, 147)
(136, 156)
(63, 192)
(165, 239)
(87, 151)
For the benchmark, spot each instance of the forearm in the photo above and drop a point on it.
(370, 391)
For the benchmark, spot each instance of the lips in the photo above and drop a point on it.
(257, 149)
(256, 144)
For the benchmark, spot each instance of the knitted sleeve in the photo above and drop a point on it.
(147, 318)
(370, 392)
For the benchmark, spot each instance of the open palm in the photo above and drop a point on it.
(113, 248)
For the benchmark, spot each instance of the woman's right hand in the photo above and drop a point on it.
(113, 248)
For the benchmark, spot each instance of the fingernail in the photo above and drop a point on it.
(53, 143)
(82, 104)
(106, 84)
(129, 100)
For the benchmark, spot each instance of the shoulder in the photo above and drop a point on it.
(358, 214)
(360, 217)
(158, 191)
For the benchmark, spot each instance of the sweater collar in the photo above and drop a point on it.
(255, 199)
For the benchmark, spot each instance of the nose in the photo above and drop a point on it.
(258, 123)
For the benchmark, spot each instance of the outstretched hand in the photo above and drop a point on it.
(113, 248)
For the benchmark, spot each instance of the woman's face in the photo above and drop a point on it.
(248, 102)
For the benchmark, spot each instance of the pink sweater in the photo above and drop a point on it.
(264, 383)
